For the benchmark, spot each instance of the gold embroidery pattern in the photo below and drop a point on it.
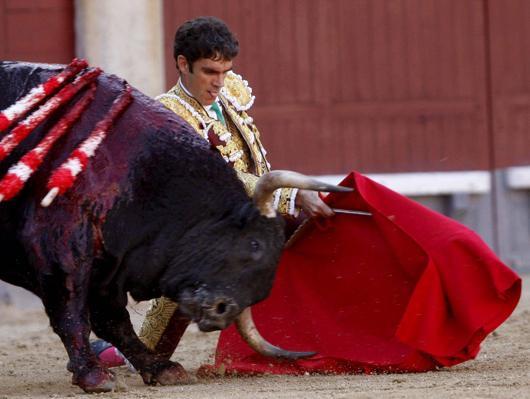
(235, 149)
(247, 131)
(249, 181)
(237, 91)
(285, 201)
(156, 321)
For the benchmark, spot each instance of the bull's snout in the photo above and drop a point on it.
(218, 315)
(210, 312)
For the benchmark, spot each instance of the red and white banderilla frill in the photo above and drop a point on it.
(35, 95)
(24, 128)
(64, 176)
(18, 174)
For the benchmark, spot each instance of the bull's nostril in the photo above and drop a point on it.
(220, 308)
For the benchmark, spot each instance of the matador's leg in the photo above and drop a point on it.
(163, 327)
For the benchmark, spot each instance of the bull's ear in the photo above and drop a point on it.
(245, 215)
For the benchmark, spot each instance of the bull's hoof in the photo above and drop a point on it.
(167, 373)
(96, 380)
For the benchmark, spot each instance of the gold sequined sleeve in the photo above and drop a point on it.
(284, 198)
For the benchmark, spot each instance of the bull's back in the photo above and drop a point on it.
(29, 231)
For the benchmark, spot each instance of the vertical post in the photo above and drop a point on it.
(124, 37)
(490, 127)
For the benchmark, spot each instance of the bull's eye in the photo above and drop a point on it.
(254, 245)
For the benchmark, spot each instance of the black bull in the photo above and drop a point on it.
(157, 212)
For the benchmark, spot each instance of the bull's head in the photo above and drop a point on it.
(240, 264)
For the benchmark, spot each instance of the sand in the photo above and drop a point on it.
(32, 365)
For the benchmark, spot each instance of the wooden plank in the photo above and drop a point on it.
(40, 31)
(354, 109)
(397, 65)
(362, 21)
(379, 51)
(510, 64)
(303, 68)
(3, 32)
(34, 5)
(413, 55)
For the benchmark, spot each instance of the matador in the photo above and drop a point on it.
(214, 101)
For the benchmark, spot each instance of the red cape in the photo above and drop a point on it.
(406, 289)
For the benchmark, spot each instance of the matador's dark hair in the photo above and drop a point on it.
(205, 37)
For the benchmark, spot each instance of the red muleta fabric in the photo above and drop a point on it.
(406, 290)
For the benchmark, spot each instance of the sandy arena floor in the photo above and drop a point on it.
(32, 365)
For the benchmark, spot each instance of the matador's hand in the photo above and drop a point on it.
(312, 204)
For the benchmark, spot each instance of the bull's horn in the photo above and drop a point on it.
(248, 331)
(283, 178)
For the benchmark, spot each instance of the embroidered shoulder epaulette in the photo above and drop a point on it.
(237, 91)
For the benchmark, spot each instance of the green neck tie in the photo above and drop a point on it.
(218, 112)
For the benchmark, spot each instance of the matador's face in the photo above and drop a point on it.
(206, 78)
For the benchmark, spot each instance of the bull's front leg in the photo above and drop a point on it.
(64, 298)
(111, 321)
(62, 268)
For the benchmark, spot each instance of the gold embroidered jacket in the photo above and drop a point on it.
(239, 141)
